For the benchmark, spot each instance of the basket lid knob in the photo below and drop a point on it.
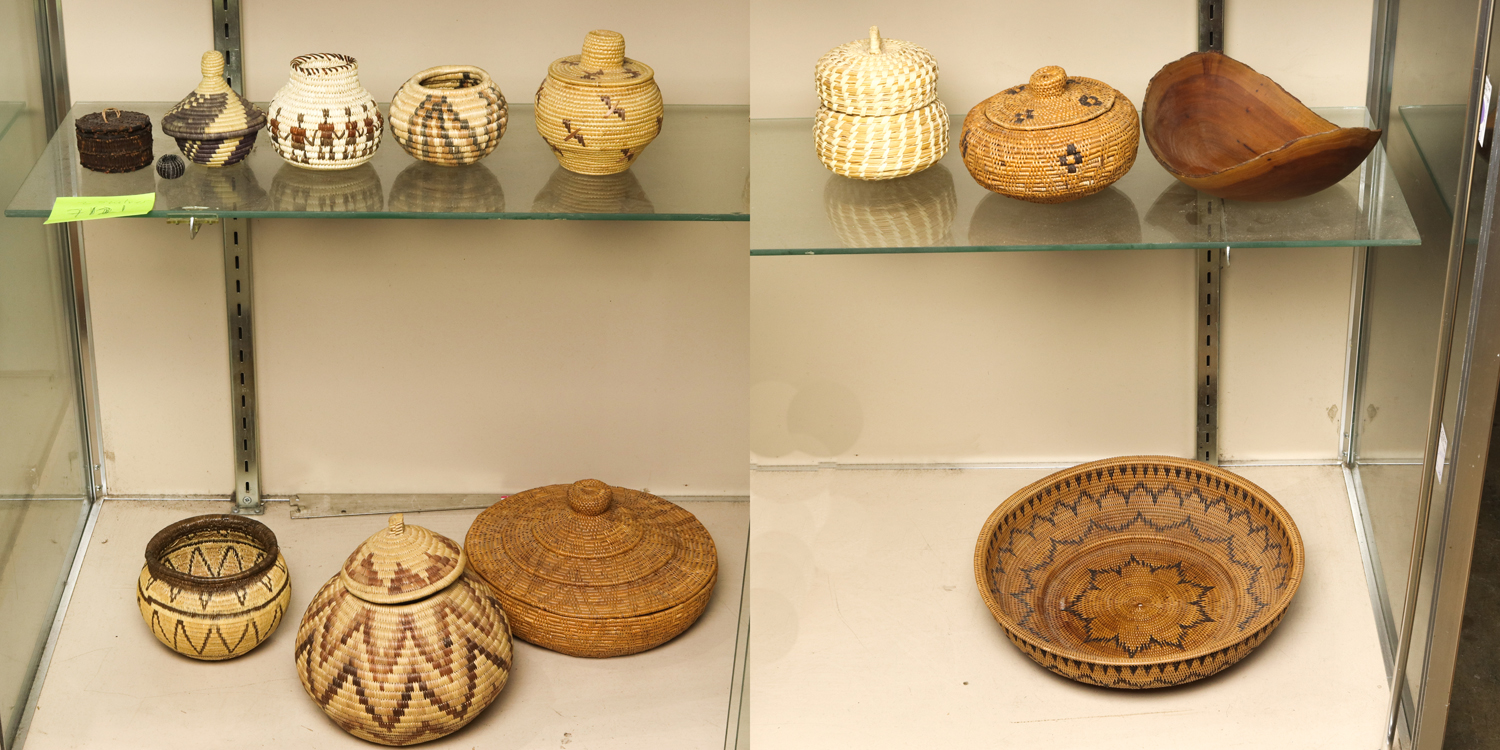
(1048, 82)
(396, 525)
(874, 40)
(212, 64)
(590, 497)
(603, 50)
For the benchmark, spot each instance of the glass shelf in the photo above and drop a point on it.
(943, 210)
(697, 170)
(1438, 132)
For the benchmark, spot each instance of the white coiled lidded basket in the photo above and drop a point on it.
(323, 118)
(879, 115)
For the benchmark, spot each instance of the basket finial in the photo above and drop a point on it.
(874, 40)
(213, 64)
(396, 525)
(603, 49)
(1048, 82)
(590, 497)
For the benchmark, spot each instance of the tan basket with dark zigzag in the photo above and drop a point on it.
(1139, 572)
(214, 587)
(213, 126)
(404, 645)
(598, 110)
(450, 115)
(593, 570)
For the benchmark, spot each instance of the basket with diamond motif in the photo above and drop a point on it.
(879, 116)
(405, 644)
(1139, 572)
(213, 587)
(450, 115)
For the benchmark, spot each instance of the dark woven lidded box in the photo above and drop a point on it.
(114, 140)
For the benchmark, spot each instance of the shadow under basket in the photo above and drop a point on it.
(1139, 572)
(213, 587)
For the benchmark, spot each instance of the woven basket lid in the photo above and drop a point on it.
(877, 76)
(1052, 99)
(602, 64)
(213, 108)
(401, 563)
(112, 122)
(592, 551)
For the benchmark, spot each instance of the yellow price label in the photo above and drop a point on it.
(108, 207)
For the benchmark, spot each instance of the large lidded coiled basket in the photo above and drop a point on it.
(879, 116)
(212, 125)
(592, 570)
(1139, 572)
(600, 109)
(450, 115)
(1055, 138)
(213, 587)
(405, 644)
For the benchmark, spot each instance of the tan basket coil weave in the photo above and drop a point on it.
(212, 125)
(592, 570)
(879, 116)
(1053, 139)
(213, 587)
(600, 109)
(913, 211)
(405, 644)
(450, 115)
(323, 118)
(1139, 572)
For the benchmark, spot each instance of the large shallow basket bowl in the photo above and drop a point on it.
(1139, 572)
(1218, 125)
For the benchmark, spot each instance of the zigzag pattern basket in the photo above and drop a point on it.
(1139, 572)
(213, 587)
(212, 125)
(450, 115)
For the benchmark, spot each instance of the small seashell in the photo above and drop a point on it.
(170, 166)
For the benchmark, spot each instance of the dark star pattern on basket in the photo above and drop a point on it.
(1092, 599)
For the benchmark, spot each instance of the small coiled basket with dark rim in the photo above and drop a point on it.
(1139, 572)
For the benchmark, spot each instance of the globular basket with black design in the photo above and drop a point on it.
(592, 570)
(214, 126)
(405, 644)
(879, 115)
(600, 109)
(450, 115)
(1139, 572)
(213, 587)
(323, 118)
(1053, 139)
(114, 141)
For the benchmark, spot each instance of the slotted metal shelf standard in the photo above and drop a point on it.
(697, 170)
(806, 210)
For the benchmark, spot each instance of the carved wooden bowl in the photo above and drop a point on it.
(1223, 128)
(1139, 572)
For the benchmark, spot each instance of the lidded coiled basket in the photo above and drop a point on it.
(213, 587)
(450, 115)
(1053, 139)
(323, 118)
(212, 125)
(879, 115)
(114, 140)
(592, 570)
(405, 644)
(600, 109)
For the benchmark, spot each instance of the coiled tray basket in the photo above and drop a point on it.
(1139, 572)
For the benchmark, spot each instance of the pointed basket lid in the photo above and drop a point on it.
(876, 76)
(213, 109)
(602, 64)
(588, 550)
(402, 563)
(1051, 99)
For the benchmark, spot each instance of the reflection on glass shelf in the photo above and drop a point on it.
(944, 210)
(1438, 132)
(9, 111)
(696, 170)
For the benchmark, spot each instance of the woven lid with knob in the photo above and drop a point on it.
(402, 563)
(212, 108)
(589, 550)
(876, 76)
(1051, 99)
(112, 121)
(603, 63)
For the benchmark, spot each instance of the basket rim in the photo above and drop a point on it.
(415, 83)
(1271, 618)
(256, 530)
